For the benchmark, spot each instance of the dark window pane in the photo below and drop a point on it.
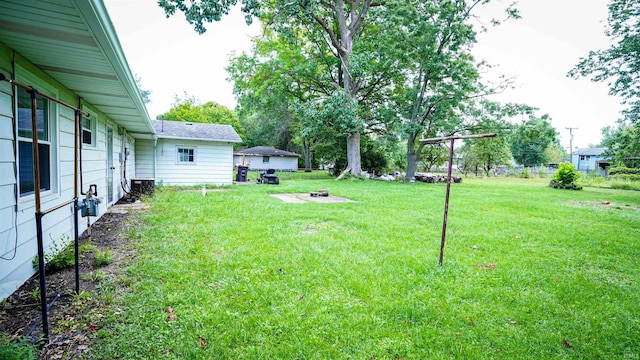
(86, 137)
(186, 155)
(26, 167)
(24, 115)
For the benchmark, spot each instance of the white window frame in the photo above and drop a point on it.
(51, 142)
(91, 130)
(179, 160)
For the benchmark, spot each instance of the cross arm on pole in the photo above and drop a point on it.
(455, 137)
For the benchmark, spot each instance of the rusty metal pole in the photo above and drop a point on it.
(452, 140)
(446, 204)
(38, 212)
(76, 149)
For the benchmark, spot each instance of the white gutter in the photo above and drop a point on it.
(98, 20)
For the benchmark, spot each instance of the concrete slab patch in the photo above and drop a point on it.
(288, 198)
(301, 198)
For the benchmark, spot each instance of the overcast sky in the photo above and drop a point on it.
(537, 51)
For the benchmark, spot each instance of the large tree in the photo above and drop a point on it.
(622, 143)
(341, 23)
(618, 65)
(489, 153)
(531, 138)
(274, 81)
(290, 76)
(442, 77)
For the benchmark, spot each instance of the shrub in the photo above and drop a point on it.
(61, 255)
(103, 258)
(624, 170)
(16, 349)
(566, 176)
(630, 177)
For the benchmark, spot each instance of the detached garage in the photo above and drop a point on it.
(185, 153)
(263, 158)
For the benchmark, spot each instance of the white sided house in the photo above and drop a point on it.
(263, 158)
(68, 51)
(589, 159)
(186, 153)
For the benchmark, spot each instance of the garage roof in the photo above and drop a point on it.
(166, 129)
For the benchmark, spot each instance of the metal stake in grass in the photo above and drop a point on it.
(452, 139)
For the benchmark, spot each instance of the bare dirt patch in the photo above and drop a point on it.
(605, 205)
(73, 319)
(301, 198)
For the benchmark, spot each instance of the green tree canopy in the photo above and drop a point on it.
(623, 143)
(188, 109)
(619, 65)
(442, 78)
(489, 153)
(531, 138)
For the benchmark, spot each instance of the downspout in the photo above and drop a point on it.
(155, 150)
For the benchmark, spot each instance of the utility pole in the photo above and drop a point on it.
(571, 142)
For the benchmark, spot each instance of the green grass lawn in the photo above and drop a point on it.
(530, 272)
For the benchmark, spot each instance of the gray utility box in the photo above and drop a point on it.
(143, 186)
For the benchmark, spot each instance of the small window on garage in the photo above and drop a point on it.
(265, 159)
(186, 155)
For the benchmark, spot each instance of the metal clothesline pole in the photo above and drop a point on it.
(452, 140)
(39, 214)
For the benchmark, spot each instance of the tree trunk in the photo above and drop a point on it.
(306, 149)
(412, 157)
(353, 154)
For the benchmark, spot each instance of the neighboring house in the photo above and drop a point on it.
(590, 159)
(66, 49)
(186, 153)
(263, 158)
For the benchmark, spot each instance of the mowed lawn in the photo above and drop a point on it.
(530, 272)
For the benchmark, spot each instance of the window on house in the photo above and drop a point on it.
(186, 155)
(581, 157)
(265, 159)
(88, 131)
(25, 142)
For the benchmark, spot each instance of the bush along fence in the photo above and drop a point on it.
(624, 173)
(566, 177)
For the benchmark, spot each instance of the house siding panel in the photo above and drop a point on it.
(19, 221)
(144, 164)
(213, 163)
(279, 163)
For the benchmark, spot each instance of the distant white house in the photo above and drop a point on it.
(590, 159)
(185, 153)
(263, 158)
